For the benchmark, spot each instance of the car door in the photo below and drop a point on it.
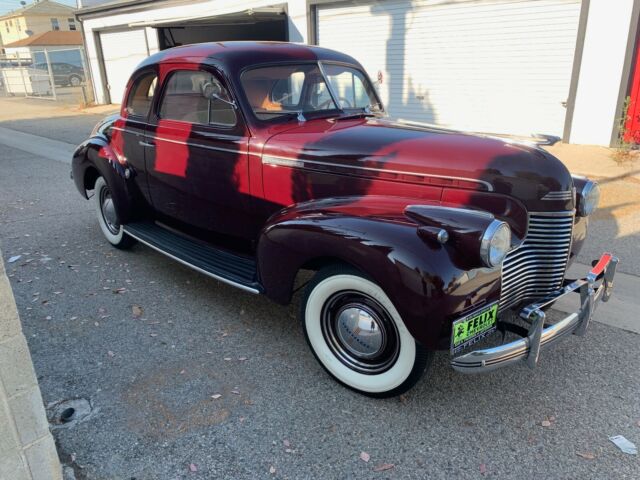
(198, 168)
(128, 132)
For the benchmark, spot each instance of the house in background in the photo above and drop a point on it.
(62, 47)
(37, 17)
(558, 67)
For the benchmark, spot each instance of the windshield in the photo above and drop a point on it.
(283, 90)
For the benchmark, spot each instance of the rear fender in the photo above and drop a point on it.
(426, 281)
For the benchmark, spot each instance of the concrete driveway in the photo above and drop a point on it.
(149, 343)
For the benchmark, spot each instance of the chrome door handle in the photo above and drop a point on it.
(142, 143)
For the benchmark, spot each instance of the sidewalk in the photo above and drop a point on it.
(19, 108)
(595, 162)
(51, 120)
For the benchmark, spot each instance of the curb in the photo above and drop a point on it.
(27, 449)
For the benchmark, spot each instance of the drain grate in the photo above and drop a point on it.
(66, 413)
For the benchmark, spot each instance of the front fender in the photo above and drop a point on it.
(96, 155)
(427, 282)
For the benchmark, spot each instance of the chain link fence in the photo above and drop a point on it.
(57, 74)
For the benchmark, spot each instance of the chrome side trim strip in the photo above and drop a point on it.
(197, 269)
(198, 145)
(180, 142)
(300, 163)
(560, 195)
(137, 134)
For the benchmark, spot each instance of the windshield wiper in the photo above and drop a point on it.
(285, 113)
(356, 115)
(366, 112)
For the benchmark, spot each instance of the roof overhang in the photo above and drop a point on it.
(122, 5)
(249, 16)
(48, 39)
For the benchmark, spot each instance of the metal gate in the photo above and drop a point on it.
(59, 74)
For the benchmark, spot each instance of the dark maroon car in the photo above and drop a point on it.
(251, 162)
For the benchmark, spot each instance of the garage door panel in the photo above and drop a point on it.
(122, 52)
(495, 66)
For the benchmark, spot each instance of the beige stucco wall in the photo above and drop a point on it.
(42, 23)
(27, 449)
(36, 23)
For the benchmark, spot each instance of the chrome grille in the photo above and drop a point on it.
(536, 268)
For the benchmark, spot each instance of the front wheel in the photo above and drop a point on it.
(357, 335)
(75, 81)
(108, 218)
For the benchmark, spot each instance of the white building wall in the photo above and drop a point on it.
(484, 66)
(296, 10)
(601, 71)
(598, 86)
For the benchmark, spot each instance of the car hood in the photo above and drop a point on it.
(445, 157)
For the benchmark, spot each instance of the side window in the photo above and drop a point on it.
(195, 96)
(139, 101)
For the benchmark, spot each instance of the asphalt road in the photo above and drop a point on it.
(150, 379)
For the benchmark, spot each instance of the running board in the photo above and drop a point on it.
(227, 267)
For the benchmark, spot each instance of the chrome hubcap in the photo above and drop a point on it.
(109, 211)
(360, 332)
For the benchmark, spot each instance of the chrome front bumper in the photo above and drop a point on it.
(528, 348)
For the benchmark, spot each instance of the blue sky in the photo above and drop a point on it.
(8, 5)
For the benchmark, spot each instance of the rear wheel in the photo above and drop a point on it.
(357, 335)
(108, 217)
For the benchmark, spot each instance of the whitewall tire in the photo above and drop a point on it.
(358, 336)
(107, 216)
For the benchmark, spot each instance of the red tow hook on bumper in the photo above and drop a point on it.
(528, 348)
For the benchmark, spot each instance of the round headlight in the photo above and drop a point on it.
(495, 243)
(589, 198)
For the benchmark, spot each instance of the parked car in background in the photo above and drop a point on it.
(64, 74)
(251, 162)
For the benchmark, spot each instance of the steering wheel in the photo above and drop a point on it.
(341, 100)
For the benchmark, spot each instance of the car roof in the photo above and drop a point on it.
(237, 55)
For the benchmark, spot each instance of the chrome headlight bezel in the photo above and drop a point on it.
(495, 243)
(588, 199)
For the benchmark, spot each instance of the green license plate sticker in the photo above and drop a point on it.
(472, 328)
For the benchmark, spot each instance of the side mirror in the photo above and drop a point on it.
(215, 91)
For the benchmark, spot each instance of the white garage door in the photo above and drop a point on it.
(122, 52)
(484, 65)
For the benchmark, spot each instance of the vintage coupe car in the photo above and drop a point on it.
(251, 162)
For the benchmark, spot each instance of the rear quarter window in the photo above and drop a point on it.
(141, 95)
